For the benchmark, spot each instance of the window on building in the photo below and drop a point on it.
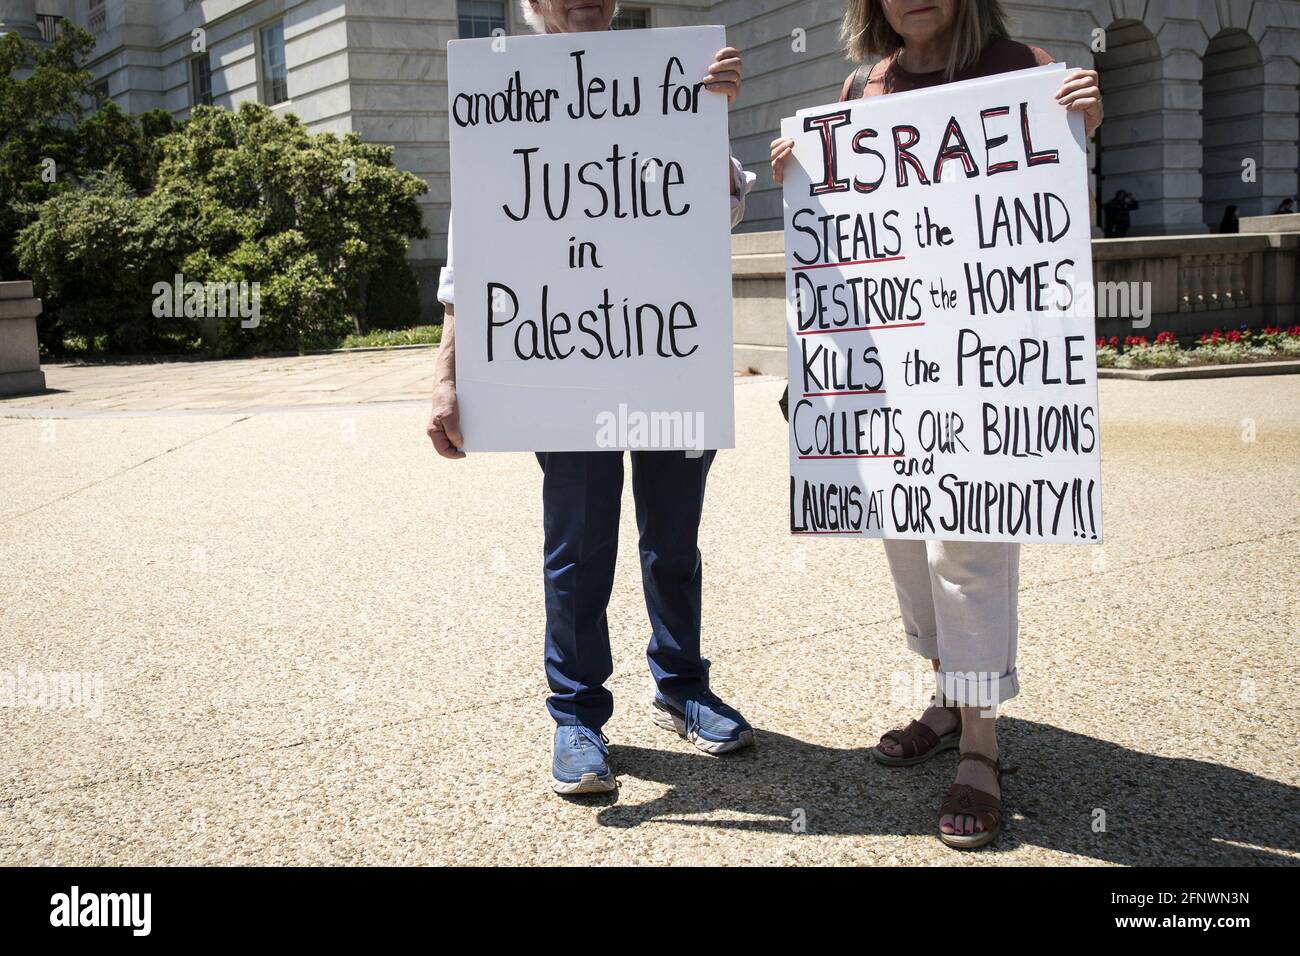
(631, 18)
(49, 25)
(478, 18)
(100, 90)
(275, 74)
(201, 80)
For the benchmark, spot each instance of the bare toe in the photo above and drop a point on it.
(947, 824)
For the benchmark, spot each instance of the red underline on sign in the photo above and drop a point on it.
(826, 532)
(860, 391)
(864, 328)
(840, 265)
(830, 457)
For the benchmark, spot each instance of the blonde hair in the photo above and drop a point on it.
(867, 34)
(534, 19)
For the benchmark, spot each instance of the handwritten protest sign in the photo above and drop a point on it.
(591, 241)
(943, 379)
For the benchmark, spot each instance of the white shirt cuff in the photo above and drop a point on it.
(744, 181)
(446, 278)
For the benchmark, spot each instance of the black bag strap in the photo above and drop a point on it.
(861, 77)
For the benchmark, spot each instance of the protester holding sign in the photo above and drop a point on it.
(582, 489)
(957, 597)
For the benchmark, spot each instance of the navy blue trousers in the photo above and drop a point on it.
(581, 495)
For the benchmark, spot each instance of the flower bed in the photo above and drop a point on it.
(1213, 348)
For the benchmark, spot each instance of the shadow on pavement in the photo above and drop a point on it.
(1158, 810)
(33, 392)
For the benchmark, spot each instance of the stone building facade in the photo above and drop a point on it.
(1202, 96)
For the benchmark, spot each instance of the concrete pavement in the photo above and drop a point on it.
(353, 376)
(317, 643)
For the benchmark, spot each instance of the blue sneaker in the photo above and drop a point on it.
(580, 761)
(705, 721)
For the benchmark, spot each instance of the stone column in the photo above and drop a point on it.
(1150, 142)
(1278, 165)
(19, 16)
(1181, 148)
(20, 357)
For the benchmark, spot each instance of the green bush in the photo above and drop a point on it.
(299, 303)
(392, 296)
(1151, 356)
(313, 228)
(387, 338)
(312, 218)
(94, 253)
(131, 145)
(38, 117)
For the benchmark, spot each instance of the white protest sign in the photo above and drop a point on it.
(943, 379)
(591, 236)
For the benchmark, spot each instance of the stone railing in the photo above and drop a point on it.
(1289, 222)
(20, 360)
(1200, 283)
(1186, 284)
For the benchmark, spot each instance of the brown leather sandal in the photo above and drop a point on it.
(919, 742)
(965, 800)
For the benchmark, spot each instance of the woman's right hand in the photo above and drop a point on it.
(781, 150)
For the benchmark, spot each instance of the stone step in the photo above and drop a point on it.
(758, 243)
(764, 359)
(763, 265)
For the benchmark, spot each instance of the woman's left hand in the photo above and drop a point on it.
(1081, 92)
(724, 74)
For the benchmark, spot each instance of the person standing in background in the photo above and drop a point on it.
(1117, 214)
(1229, 223)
